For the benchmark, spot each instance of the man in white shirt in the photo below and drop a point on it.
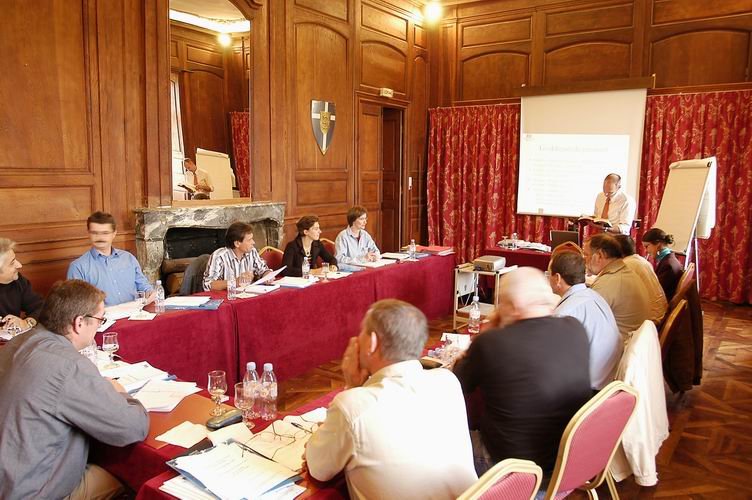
(567, 278)
(198, 177)
(398, 431)
(615, 205)
(644, 269)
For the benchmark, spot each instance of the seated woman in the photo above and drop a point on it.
(354, 244)
(667, 268)
(306, 244)
(16, 294)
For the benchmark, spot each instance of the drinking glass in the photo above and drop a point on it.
(332, 269)
(514, 241)
(324, 272)
(141, 298)
(110, 346)
(217, 387)
(244, 402)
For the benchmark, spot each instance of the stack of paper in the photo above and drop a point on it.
(307, 421)
(183, 489)
(378, 263)
(185, 435)
(189, 301)
(164, 395)
(435, 250)
(134, 376)
(237, 432)
(337, 275)
(261, 289)
(122, 310)
(395, 256)
(292, 282)
(229, 471)
(282, 442)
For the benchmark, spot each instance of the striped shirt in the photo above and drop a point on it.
(224, 265)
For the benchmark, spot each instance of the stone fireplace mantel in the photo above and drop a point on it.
(153, 223)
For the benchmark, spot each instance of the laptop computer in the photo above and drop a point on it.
(559, 237)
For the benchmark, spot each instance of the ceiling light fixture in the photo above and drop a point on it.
(432, 12)
(225, 40)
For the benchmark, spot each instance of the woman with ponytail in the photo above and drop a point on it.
(667, 266)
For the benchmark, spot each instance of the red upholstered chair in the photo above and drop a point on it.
(329, 245)
(590, 441)
(510, 479)
(272, 256)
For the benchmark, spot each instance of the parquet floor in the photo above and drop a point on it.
(708, 454)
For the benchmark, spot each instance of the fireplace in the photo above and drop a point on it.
(188, 231)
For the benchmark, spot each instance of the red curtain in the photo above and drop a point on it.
(472, 179)
(680, 127)
(241, 150)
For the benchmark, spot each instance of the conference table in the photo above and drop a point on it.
(142, 466)
(295, 329)
(521, 257)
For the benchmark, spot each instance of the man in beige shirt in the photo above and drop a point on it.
(621, 288)
(644, 269)
(398, 431)
(197, 178)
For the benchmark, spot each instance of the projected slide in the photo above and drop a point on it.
(561, 174)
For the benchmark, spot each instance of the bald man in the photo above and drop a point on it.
(532, 371)
(615, 205)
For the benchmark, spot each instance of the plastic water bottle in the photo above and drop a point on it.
(251, 388)
(159, 301)
(473, 324)
(268, 393)
(411, 250)
(514, 241)
(306, 268)
(232, 289)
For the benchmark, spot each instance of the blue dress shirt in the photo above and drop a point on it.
(118, 275)
(606, 346)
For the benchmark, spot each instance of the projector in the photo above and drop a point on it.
(489, 263)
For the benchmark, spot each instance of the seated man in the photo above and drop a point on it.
(16, 295)
(398, 431)
(621, 288)
(354, 244)
(532, 372)
(116, 272)
(239, 258)
(54, 400)
(644, 269)
(567, 279)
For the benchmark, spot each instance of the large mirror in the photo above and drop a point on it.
(210, 88)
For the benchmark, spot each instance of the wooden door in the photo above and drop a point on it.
(391, 168)
(368, 172)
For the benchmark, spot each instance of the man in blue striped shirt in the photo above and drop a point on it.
(116, 272)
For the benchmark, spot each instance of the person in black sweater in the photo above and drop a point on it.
(306, 244)
(16, 295)
(532, 371)
(667, 267)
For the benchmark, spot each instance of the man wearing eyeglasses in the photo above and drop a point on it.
(116, 272)
(54, 400)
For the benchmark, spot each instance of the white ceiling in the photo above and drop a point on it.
(211, 9)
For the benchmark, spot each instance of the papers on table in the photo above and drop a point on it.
(395, 255)
(337, 275)
(122, 310)
(293, 282)
(164, 395)
(5, 333)
(131, 377)
(459, 340)
(237, 432)
(189, 301)
(283, 441)
(186, 434)
(308, 421)
(184, 489)
(378, 263)
(269, 276)
(142, 316)
(286, 492)
(230, 472)
(435, 250)
(261, 289)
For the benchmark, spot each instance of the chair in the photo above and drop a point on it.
(590, 441)
(510, 479)
(671, 325)
(567, 246)
(193, 276)
(684, 283)
(329, 245)
(272, 256)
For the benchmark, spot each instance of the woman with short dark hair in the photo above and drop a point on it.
(667, 266)
(306, 245)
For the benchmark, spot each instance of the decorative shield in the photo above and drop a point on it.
(322, 121)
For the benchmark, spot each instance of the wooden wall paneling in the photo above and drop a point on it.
(383, 43)
(712, 51)
(672, 11)
(392, 160)
(338, 9)
(415, 198)
(368, 170)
